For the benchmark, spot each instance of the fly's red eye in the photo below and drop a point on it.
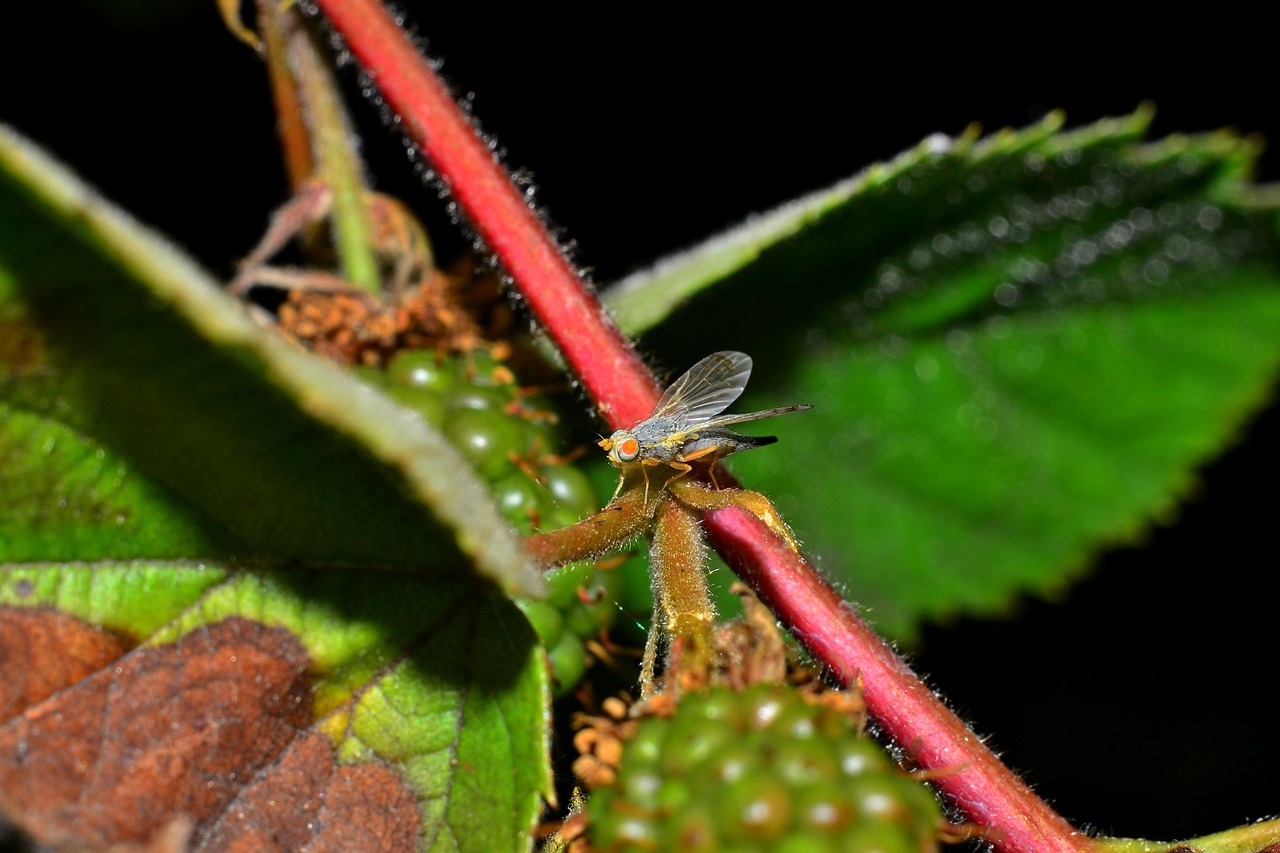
(628, 449)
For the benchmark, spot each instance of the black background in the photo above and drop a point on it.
(1143, 703)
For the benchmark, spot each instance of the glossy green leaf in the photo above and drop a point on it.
(1018, 350)
(123, 340)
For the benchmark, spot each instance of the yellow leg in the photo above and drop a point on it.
(711, 469)
(680, 463)
(645, 465)
(681, 470)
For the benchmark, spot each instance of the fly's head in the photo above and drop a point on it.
(623, 447)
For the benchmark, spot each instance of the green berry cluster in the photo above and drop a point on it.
(507, 435)
(579, 606)
(760, 770)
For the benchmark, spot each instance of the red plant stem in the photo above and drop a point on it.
(610, 370)
(908, 711)
(626, 391)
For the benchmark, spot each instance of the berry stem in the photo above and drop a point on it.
(626, 391)
(608, 530)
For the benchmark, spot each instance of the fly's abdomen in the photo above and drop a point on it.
(724, 441)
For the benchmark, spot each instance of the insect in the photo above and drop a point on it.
(684, 426)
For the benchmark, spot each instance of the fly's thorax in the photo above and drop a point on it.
(661, 438)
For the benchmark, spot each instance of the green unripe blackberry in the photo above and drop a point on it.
(422, 369)
(565, 654)
(568, 659)
(373, 375)
(582, 600)
(585, 595)
(519, 498)
(570, 489)
(484, 370)
(475, 401)
(486, 437)
(473, 397)
(547, 621)
(760, 770)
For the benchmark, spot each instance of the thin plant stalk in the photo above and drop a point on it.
(338, 165)
(295, 139)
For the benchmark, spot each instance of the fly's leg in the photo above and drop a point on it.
(645, 464)
(622, 478)
(682, 468)
(681, 463)
(711, 469)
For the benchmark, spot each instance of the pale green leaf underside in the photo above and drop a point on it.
(1018, 350)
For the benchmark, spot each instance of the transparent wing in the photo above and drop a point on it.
(729, 420)
(707, 389)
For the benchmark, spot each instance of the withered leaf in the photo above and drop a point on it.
(111, 757)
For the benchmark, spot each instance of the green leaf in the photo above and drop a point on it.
(119, 348)
(1018, 350)
(67, 496)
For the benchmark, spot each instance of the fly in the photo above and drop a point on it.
(684, 426)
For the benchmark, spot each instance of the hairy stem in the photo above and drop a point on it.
(607, 530)
(626, 391)
(1262, 837)
(682, 607)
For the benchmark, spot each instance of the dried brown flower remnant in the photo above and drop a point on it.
(354, 328)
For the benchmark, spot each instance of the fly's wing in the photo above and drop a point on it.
(751, 416)
(707, 389)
